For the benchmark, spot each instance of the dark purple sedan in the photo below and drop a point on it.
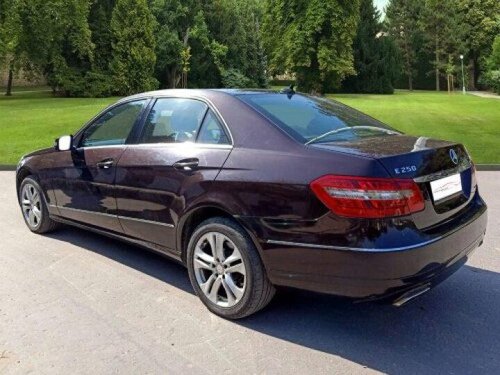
(256, 189)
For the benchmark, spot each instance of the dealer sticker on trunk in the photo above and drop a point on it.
(446, 187)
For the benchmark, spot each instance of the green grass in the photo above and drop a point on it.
(470, 120)
(31, 119)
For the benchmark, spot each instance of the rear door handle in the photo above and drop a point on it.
(105, 164)
(186, 164)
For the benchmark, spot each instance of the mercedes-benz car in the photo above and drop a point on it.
(251, 190)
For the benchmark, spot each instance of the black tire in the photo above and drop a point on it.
(258, 291)
(45, 224)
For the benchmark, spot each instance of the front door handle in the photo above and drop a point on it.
(186, 164)
(105, 164)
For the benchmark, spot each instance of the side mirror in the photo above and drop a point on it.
(64, 143)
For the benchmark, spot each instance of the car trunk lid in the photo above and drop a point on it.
(424, 160)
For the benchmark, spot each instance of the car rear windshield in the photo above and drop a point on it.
(315, 120)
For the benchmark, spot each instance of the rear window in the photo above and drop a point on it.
(315, 120)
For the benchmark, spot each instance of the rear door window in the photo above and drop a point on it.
(174, 120)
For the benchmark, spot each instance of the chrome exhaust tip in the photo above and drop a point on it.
(411, 294)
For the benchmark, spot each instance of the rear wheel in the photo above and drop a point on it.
(226, 271)
(34, 207)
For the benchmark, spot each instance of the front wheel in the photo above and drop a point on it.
(226, 271)
(34, 208)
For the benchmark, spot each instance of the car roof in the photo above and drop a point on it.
(204, 93)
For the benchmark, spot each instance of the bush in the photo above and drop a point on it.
(75, 83)
(233, 78)
(491, 79)
(282, 82)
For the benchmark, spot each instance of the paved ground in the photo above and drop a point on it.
(485, 94)
(75, 302)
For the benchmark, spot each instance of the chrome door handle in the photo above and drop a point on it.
(186, 164)
(105, 164)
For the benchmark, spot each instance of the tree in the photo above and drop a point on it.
(311, 38)
(99, 22)
(480, 22)
(177, 22)
(236, 24)
(491, 77)
(402, 24)
(56, 41)
(375, 55)
(443, 33)
(10, 29)
(133, 47)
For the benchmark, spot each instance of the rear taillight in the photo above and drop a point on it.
(368, 197)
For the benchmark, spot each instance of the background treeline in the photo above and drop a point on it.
(120, 47)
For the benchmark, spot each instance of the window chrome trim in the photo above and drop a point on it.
(181, 144)
(77, 136)
(115, 216)
(207, 101)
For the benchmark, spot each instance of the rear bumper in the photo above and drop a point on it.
(375, 273)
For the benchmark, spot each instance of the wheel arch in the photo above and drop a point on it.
(21, 174)
(196, 216)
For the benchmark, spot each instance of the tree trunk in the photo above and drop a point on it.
(438, 88)
(9, 82)
(172, 77)
(409, 70)
(472, 74)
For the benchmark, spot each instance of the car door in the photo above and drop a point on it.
(84, 178)
(182, 148)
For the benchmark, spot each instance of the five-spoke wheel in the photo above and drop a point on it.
(219, 268)
(226, 270)
(34, 208)
(31, 205)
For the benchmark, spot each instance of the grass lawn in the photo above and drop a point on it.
(31, 120)
(468, 119)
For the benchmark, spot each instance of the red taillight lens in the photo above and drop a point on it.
(368, 197)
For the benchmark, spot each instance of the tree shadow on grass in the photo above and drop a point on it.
(455, 328)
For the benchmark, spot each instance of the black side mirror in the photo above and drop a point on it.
(64, 143)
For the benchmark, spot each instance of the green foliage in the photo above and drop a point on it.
(311, 38)
(235, 79)
(56, 40)
(236, 24)
(432, 34)
(491, 78)
(10, 29)
(99, 21)
(443, 34)
(176, 23)
(493, 61)
(480, 24)
(375, 56)
(402, 23)
(133, 47)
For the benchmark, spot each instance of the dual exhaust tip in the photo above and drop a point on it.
(411, 294)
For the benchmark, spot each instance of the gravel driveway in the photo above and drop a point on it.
(75, 302)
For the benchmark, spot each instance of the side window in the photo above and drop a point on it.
(114, 126)
(212, 132)
(173, 120)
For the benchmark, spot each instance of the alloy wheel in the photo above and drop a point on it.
(219, 269)
(31, 205)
